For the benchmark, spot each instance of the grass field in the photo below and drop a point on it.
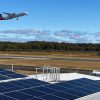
(76, 54)
(57, 63)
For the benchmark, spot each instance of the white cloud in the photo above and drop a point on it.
(44, 35)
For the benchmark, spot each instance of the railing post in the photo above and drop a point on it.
(12, 68)
(36, 73)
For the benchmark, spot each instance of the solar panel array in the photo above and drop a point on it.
(32, 89)
(5, 74)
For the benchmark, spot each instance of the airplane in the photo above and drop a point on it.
(8, 16)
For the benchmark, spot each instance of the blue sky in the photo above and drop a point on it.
(76, 21)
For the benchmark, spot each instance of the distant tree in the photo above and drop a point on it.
(48, 46)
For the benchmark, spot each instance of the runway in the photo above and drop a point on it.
(25, 57)
(50, 58)
(78, 59)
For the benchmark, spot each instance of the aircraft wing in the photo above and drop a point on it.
(6, 13)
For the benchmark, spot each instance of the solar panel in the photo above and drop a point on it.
(30, 81)
(2, 69)
(3, 77)
(15, 89)
(35, 92)
(52, 97)
(82, 87)
(87, 81)
(36, 99)
(2, 97)
(33, 89)
(67, 90)
(5, 74)
(18, 95)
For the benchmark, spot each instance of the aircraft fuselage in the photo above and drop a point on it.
(11, 16)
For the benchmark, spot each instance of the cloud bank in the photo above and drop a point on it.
(67, 36)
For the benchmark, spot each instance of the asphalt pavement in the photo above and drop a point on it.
(51, 58)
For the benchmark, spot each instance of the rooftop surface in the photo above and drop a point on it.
(64, 77)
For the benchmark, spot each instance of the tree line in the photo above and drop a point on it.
(48, 46)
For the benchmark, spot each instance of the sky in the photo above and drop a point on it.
(73, 21)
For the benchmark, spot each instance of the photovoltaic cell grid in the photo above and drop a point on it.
(32, 89)
(5, 74)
